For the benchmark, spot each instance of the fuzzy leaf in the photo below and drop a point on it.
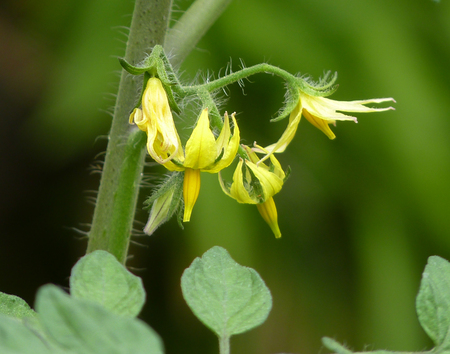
(16, 337)
(227, 297)
(86, 327)
(14, 306)
(99, 277)
(433, 301)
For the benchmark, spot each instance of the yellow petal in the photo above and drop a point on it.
(237, 190)
(327, 109)
(270, 182)
(320, 124)
(137, 117)
(231, 146)
(269, 213)
(289, 133)
(191, 189)
(157, 121)
(200, 150)
(224, 136)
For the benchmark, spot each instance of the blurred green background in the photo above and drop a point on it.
(359, 215)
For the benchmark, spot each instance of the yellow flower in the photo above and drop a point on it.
(155, 118)
(321, 112)
(256, 183)
(203, 152)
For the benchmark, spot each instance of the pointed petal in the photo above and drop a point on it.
(231, 147)
(327, 109)
(270, 182)
(320, 123)
(200, 150)
(237, 190)
(224, 136)
(289, 133)
(269, 213)
(191, 189)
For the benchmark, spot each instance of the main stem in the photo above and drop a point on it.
(124, 161)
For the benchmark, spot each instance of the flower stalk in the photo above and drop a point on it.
(125, 154)
(113, 216)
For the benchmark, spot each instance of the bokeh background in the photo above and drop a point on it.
(359, 215)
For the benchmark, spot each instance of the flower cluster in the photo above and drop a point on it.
(215, 142)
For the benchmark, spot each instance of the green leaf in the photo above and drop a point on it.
(338, 348)
(86, 327)
(99, 277)
(14, 306)
(433, 301)
(227, 297)
(16, 337)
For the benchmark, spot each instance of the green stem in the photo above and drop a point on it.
(224, 345)
(124, 161)
(242, 74)
(186, 33)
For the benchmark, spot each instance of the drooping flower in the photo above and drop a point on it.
(155, 118)
(203, 152)
(256, 183)
(321, 112)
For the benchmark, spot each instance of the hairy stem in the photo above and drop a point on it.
(242, 74)
(124, 161)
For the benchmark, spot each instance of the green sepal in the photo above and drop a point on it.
(324, 87)
(171, 190)
(167, 76)
(215, 119)
(156, 64)
(174, 180)
(287, 174)
(144, 86)
(134, 70)
(171, 76)
(170, 96)
(292, 98)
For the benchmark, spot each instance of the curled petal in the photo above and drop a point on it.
(270, 182)
(229, 146)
